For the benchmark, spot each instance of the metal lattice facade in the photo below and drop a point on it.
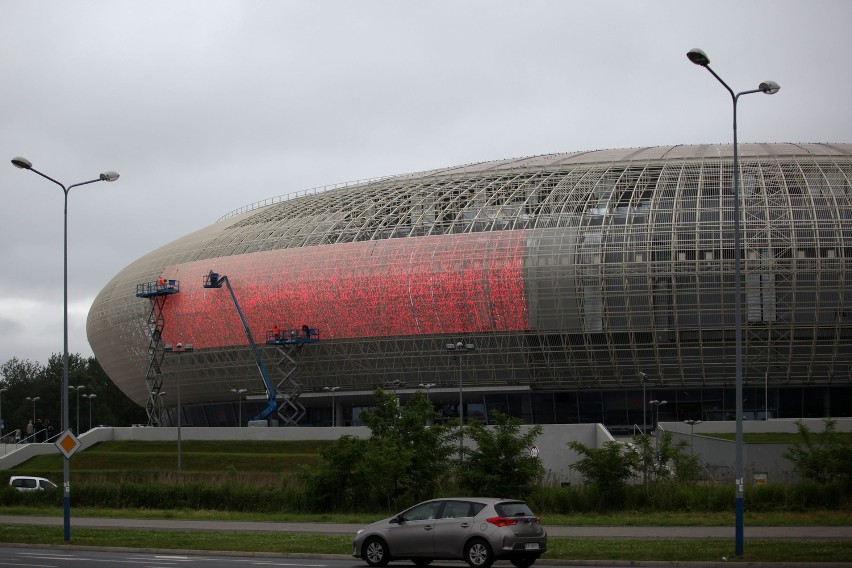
(568, 271)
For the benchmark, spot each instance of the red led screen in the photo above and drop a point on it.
(427, 285)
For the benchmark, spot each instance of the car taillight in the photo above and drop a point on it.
(502, 521)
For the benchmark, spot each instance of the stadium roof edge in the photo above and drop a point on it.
(601, 156)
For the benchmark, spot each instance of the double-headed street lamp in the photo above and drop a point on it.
(90, 397)
(700, 58)
(642, 377)
(332, 390)
(460, 347)
(691, 424)
(25, 164)
(179, 349)
(657, 404)
(427, 386)
(77, 389)
(240, 393)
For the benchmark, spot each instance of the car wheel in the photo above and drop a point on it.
(376, 552)
(524, 561)
(478, 554)
(422, 561)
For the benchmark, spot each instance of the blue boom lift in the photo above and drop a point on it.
(287, 342)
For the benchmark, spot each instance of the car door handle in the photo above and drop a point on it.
(427, 527)
(465, 525)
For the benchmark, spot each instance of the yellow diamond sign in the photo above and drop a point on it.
(68, 443)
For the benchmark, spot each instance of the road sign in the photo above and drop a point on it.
(68, 443)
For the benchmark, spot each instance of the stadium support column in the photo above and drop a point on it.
(700, 58)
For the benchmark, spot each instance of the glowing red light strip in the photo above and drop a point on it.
(427, 285)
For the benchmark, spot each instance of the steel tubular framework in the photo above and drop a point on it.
(626, 263)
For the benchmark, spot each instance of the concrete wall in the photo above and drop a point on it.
(556, 457)
(758, 459)
(552, 444)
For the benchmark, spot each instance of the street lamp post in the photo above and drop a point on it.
(33, 399)
(657, 404)
(179, 349)
(332, 390)
(460, 347)
(427, 386)
(692, 424)
(642, 377)
(90, 397)
(240, 393)
(25, 164)
(698, 57)
(77, 389)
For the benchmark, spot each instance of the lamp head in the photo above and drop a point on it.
(106, 176)
(698, 57)
(22, 163)
(769, 87)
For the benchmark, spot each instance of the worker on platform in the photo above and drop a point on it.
(161, 283)
(276, 333)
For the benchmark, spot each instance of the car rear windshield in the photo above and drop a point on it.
(513, 509)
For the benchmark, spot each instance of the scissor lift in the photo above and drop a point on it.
(158, 292)
(288, 343)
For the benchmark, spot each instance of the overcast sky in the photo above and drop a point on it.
(206, 106)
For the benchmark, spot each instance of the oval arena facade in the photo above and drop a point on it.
(581, 286)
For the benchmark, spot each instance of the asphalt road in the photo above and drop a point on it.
(639, 532)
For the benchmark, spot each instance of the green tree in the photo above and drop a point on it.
(20, 378)
(110, 406)
(500, 463)
(338, 481)
(609, 467)
(662, 460)
(403, 461)
(24, 378)
(822, 457)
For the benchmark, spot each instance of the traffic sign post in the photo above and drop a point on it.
(67, 443)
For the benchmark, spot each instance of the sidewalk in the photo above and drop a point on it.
(628, 532)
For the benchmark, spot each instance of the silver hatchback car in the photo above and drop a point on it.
(476, 530)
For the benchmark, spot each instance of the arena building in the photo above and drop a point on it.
(580, 287)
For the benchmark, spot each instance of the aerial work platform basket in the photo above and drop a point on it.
(278, 336)
(160, 287)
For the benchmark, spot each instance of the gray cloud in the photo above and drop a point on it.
(204, 107)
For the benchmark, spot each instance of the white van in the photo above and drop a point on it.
(27, 483)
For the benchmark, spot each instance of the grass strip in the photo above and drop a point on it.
(559, 548)
(636, 518)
